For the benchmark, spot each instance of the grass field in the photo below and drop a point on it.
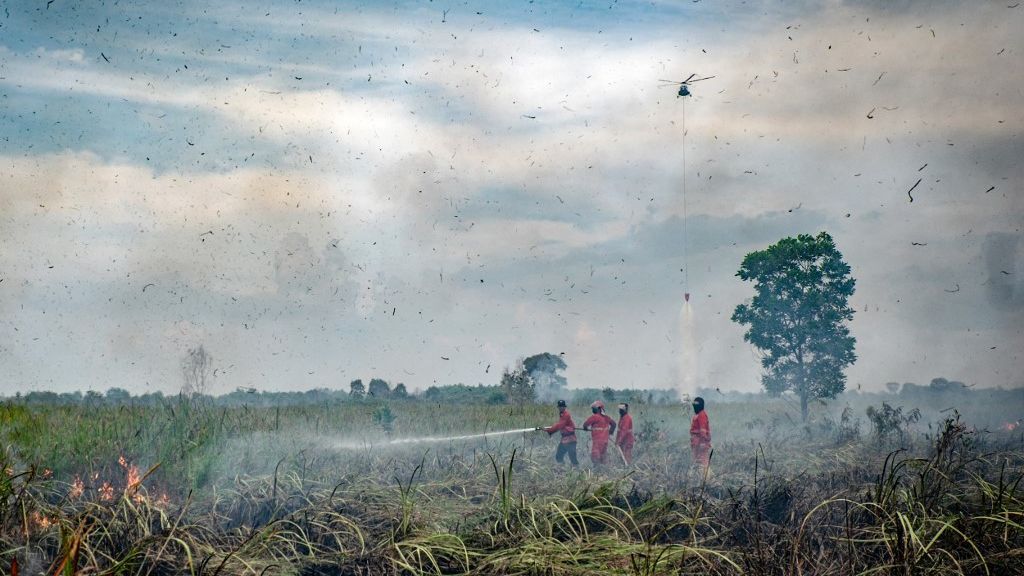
(187, 487)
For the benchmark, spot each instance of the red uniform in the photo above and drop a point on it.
(601, 427)
(566, 426)
(567, 445)
(700, 438)
(624, 437)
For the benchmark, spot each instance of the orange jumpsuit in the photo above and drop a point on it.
(567, 446)
(700, 439)
(624, 437)
(600, 426)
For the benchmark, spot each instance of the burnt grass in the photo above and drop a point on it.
(785, 500)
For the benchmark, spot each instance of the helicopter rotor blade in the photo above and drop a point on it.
(701, 79)
(688, 78)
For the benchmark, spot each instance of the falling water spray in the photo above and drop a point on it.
(349, 445)
(425, 439)
(688, 348)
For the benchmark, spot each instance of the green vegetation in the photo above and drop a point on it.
(797, 318)
(187, 486)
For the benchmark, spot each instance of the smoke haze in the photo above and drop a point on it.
(319, 192)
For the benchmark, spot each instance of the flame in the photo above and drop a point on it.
(1011, 426)
(41, 522)
(77, 489)
(133, 481)
(38, 522)
(106, 492)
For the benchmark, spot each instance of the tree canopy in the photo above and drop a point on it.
(357, 389)
(517, 386)
(544, 370)
(378, 388)
(797, 317)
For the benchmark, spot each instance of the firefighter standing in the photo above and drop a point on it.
(700, 437)
(624, 434)
(567, 427)
(600, 426)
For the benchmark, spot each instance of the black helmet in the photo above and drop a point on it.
(561, 403)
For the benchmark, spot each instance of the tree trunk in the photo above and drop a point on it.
(803, 388)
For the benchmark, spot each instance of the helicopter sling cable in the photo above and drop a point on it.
(686, 240)
(687, 382)
(684, 91)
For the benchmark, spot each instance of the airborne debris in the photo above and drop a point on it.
(912, 189)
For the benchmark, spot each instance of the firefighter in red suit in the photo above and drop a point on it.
(624, 434)
(565, 425)
(700, 437)
(601, 427)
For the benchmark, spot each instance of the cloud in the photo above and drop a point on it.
(331, 192)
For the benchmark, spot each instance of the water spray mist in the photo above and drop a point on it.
(687, 383)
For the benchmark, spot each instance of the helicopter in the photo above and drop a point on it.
(684, 89)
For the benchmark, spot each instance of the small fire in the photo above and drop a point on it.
(77, 489)
(106, 492)
(1011, 426)
(133, 479)
(41, 522)
(38, 522)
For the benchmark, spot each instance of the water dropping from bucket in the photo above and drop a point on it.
(688, 350)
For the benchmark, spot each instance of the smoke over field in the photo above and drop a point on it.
(192, 486)
(310, 287)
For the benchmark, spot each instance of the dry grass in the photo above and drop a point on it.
(257, 492)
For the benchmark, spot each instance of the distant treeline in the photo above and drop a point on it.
(938, 390)
(377, 390)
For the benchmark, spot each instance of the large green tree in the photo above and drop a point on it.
(797, 318)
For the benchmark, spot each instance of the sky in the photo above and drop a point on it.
(428, 191)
